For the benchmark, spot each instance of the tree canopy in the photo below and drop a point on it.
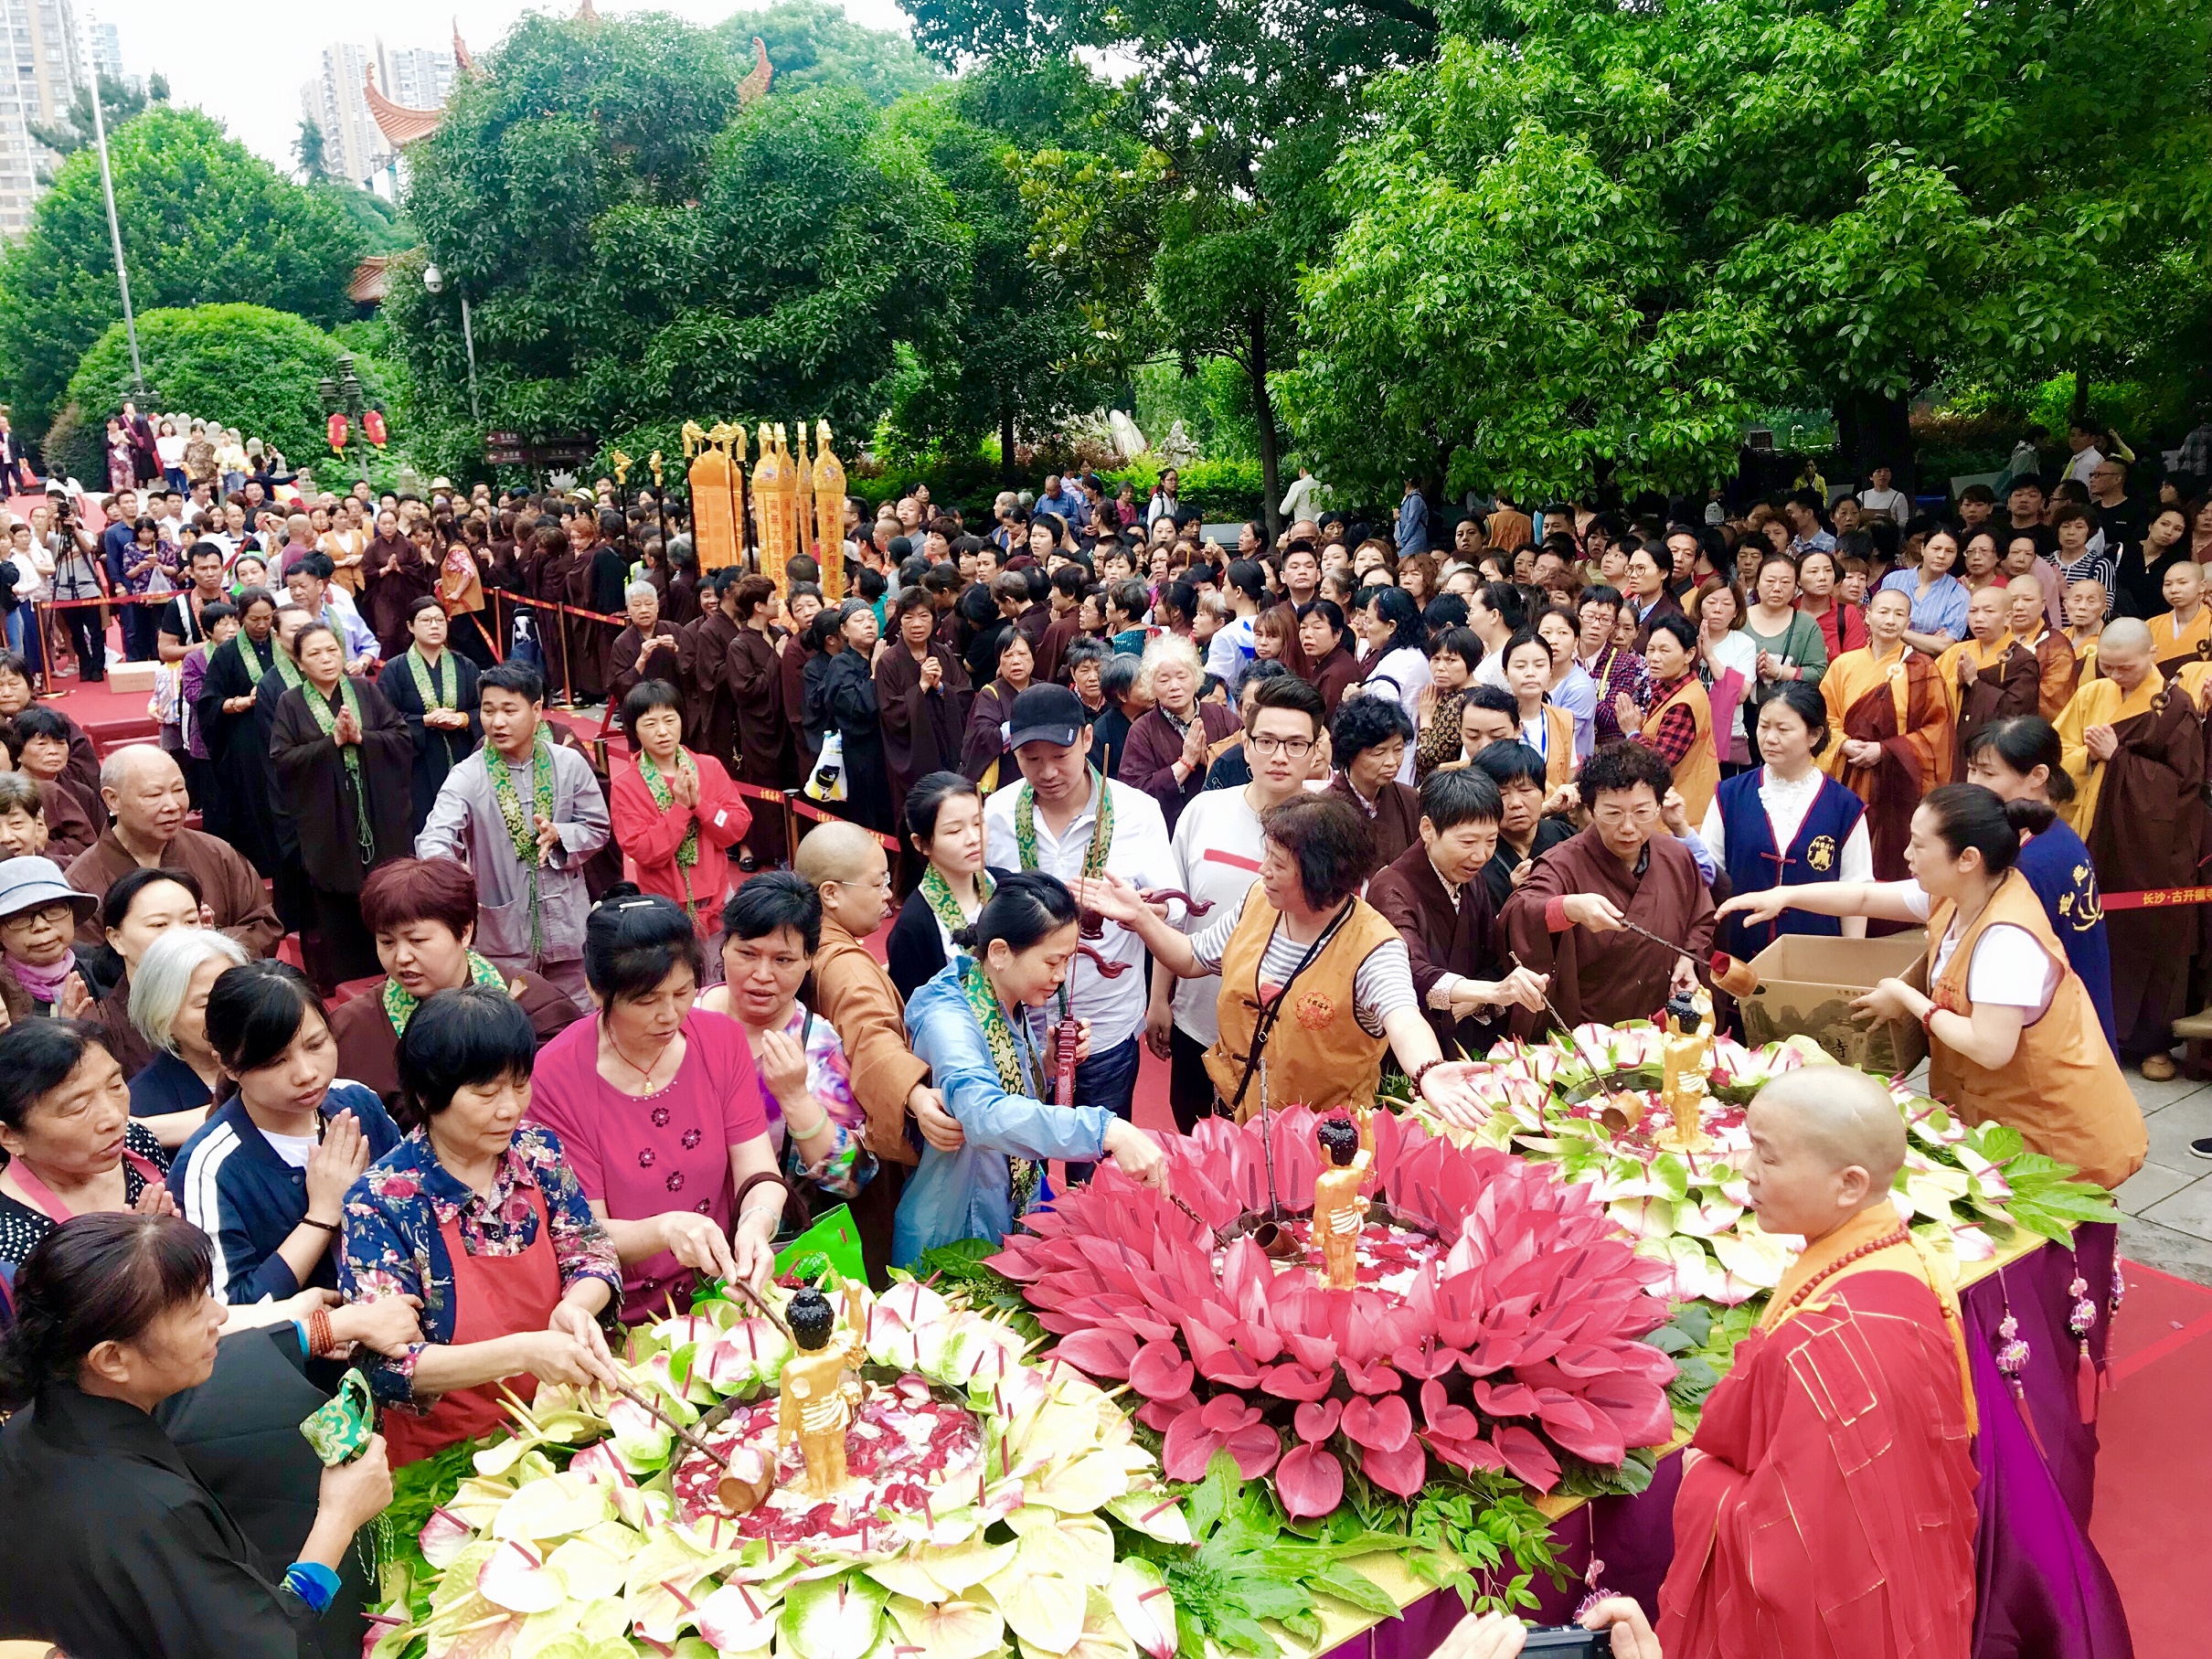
(813, 44)
(206, 221)
(1584, 238)
(250, 366)
(636, 248)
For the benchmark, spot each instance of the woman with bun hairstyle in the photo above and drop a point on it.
(944, 824)
(984, 1025)
(2013, 1036)
(658, 1108)
(2021, 758)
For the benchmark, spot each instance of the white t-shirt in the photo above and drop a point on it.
(1740, 651)
(1382, 985)
(296, 1150)
(1787, 804)
(1894, 504)
(1231, 651)
(2079, 468)
(1403, 674)
(2009, 968)
(1218, 846)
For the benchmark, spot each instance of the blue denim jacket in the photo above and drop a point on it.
(967, 1193)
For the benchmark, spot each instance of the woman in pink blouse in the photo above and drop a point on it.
(659, 1110)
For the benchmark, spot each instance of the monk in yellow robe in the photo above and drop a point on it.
(2086, 603)
(2135, 751)
(1893, 721)
(1986, 675)
(2183, 634)
(2054, 652)
(1827, 1503)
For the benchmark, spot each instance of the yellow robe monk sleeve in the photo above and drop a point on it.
(2096, 703)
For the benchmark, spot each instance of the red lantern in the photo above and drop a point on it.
(372, 428)
(339, 433)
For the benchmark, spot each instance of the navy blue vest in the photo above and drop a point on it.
(2058, 866)
(1816, 855)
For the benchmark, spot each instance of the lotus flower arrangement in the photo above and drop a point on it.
(1494, 1327)
(1962, 1187)
(979, 1527)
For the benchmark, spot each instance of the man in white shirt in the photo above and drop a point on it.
(2087, 457)
(1049, 823)
(1217, 849)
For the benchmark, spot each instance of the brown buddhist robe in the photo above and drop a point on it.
(368, 1048)
(624, 672)
(394, 577)
(1614, 976)
(2140, 813)
(1898, 703)
(1396, 815)
(1331, 674)
(1443, 935)
(922, 730)
(228, 885)
(710, 716)
(2012, 686)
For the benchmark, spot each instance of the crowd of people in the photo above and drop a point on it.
(577, 1027)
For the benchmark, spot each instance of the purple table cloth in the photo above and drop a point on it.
(2042, 1590)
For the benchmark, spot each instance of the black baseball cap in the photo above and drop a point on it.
(1046, 713)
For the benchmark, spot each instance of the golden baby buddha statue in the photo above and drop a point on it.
(1685, 1053)
(1339, 1212)
(818, 1396)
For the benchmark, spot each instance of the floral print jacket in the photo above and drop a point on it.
(394, 1245)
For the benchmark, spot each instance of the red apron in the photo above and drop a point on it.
(493, 1296)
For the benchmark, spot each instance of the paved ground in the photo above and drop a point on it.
(2168, 1203)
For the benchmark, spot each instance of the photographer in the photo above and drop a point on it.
(78, 574)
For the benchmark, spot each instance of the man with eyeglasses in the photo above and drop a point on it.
(1218, 848)
(1565, 919)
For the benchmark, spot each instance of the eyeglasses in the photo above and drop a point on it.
(1296, 748)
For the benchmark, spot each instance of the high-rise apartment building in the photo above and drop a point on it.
(40, 71)
(419, 77)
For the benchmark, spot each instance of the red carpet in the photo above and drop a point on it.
(2151, 1523)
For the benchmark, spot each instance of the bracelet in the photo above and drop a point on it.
(320, 1342)
(821, 1122)
(1421, 1071)
(328, 1226)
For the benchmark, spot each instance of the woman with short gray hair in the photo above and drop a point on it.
(650, 648)
(169, 1008)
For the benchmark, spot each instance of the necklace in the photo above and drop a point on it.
(644, 1073)
(1773, 1317)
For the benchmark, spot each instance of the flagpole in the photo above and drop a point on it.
(107, 187)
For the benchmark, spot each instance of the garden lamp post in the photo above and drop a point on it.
(345, 395)
(433, 280)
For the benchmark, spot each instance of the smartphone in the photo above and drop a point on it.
(1569, 1641)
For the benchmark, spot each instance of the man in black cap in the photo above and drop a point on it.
(1068, 820)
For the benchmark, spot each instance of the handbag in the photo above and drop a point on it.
(826, 783)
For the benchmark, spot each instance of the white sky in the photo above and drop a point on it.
(243, 61)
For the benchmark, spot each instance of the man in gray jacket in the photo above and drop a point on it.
(525, 813)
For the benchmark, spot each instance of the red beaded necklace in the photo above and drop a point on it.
(1834, 1268)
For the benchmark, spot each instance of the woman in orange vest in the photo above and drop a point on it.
(2013, 1036)
(1677, 718)
(1300, 954)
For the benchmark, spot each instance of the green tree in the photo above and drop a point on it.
(246, 365)
(814, 45)
(384, 228)
(633, 248)
(1652, 218)
(1243, 105)
(1017, 355)
(204, 221)
(119, 101)
(308, 149)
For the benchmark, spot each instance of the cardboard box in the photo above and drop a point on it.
(132, 677)
(1806, 987)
